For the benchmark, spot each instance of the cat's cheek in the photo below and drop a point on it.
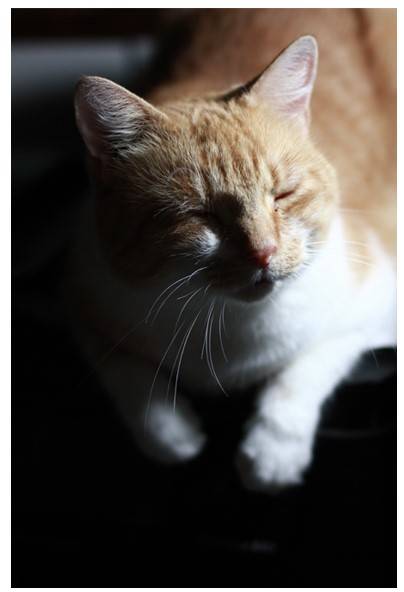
(294, 238)
(288, 260)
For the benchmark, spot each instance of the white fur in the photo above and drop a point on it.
(302, 341)
(209, 243)
(174, 434)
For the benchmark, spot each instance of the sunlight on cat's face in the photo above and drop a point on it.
(230, 187)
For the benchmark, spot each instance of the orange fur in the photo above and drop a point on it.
(215, 163)
(203, 159)
(354, 103)
(221, 184)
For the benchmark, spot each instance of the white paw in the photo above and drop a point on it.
(270, 458)
(171, 436)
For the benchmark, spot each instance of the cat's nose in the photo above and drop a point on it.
(262, 257)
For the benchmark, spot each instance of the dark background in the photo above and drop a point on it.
(88, 510)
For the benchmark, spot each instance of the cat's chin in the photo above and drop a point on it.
(254, 292)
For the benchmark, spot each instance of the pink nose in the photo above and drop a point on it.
(263, 256)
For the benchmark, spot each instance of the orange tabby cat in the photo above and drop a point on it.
(217, 202)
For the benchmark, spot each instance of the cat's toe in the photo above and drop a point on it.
(172, 436)
(185, 445)
(269, 460)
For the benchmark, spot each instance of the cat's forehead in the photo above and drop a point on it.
(230, 148)
(227, 148)
(220, 130)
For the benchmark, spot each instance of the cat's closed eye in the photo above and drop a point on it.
(284, 195)
(204, 215)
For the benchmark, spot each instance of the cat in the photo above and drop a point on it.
(230, 241)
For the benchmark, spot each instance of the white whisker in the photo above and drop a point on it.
(347, 242)
(220, 332)
(204, 345)
(157, 372)
(208, 346)
(185, 295)
(223, 319)
(183, 346)
(349, 255)
(108, 353)
(361, 262)
(185, 280)
(186, 304)
(162, 294)
(375, 358)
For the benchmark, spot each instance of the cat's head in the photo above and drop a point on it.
(231, 184)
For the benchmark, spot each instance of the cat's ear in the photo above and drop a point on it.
(287, 83)
(110, 118)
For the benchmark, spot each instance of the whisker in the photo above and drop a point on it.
(162, 294)
(350, 210)
(203, 296)
(107, 354)
(187, 279)
(361, 262)
(347, 242)
(360, 210)
(185, 295)
(220, 332)
(204, 345)
(276, 305)
(348, 254)
(211, 365)
(186, 304)
(223, 319)
(173, 291)
(183, 346)
(375, 358)
(206, 289)
(157, 372)
(170, 378)
(209, 337)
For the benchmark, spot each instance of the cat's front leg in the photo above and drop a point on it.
(279, 441)
(165, 428)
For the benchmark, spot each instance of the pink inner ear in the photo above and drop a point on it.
(308, 64)
(87, 123)
(297, 105)
(110, 117)
(288, 82)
